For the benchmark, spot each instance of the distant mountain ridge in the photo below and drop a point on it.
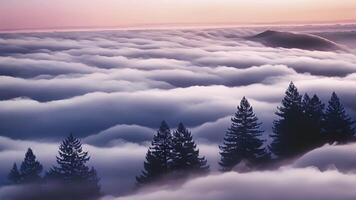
(296, 40)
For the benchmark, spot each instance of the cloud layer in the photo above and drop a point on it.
(53, 83)
(324, 173)
(293, 184)
(113, 88)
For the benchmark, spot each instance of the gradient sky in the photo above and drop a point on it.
(34, 14)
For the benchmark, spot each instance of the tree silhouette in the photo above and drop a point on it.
(72, 174)
(14, 175)
(242, 140)
(338, 124)
(30, 168)
(287, 130)
(313, 110)
(159, 156)
(185, 154)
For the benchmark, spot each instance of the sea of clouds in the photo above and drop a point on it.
(113, 88)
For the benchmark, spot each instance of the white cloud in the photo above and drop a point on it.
(115, 87)
(292, 184)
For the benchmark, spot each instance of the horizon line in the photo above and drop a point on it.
(170, 26)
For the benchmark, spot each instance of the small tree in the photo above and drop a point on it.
(158, 157)
(72, 174)
(313, 110)
(185, 153)
(242, 140)
(14, 175)
(287, 130)
(30, 169)
(338, 125)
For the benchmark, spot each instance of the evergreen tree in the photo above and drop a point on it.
(338, 126)
(242, 140)
(72, 173)
(185, 153)
(159, 156)
(287, 130)
(30, 168)
(313, 110)
(14, 175)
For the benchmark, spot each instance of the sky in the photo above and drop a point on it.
(42, 14)
(112, 88)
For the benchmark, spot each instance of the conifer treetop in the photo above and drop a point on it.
(14, 175)
(30, 168)
(338, 125)
(242, 139)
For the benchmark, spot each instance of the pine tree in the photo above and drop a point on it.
(72, 171)
(159, 156)
(338, 126)
(313, 110)
(14, 175)
(287, 130)
(185, 153)
(242, 140)
(30, 169)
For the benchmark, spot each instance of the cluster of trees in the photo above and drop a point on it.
(303, 124)
(71, 178)
(173, 154)
(29, 171)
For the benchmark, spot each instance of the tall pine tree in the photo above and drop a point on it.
(288, 129)
(242, 140)
(338, 125)
(159, 156)
(313, 110)
(75, 178)
(14, 175)
(185, 154)
(30, 169)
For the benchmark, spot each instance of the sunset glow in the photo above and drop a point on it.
(36, 14)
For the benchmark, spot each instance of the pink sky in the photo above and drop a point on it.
(37, 14)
